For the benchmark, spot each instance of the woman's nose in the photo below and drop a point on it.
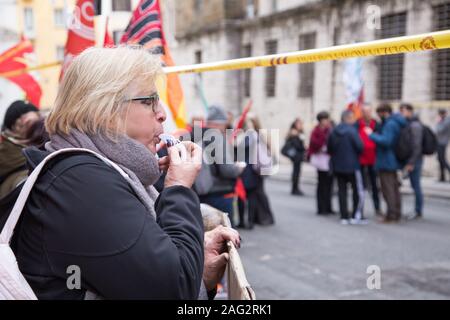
(161, 115)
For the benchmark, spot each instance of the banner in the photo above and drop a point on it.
(146, 29)
(81, 32)
(17, 58)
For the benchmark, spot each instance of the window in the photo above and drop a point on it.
(247, 52)
(198, 59)
(198, 5)
(59, 17)
(121, 5)
(198, 56)
(60, 53)
(390, 68)
(441, 58)
(271, 72)
(306, 70)
(251, 9)
(28, 18)
(274, 5)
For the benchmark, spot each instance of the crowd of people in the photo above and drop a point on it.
(368, 154)
(233, 157)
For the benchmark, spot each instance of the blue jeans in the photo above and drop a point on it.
(414, 178)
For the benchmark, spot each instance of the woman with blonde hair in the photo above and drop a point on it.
(127, 241)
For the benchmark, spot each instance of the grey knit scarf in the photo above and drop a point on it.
(132, 156)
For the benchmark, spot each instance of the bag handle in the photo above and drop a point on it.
(10, 225)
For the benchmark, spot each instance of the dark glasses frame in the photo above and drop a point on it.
(151, 100)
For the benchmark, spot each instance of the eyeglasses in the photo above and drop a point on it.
(151, 101)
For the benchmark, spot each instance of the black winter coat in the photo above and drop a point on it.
(344, 147)
(83, 213)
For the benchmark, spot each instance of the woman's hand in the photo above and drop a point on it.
(185, 161)
(164, 163)
(216, 255)
(368, 130)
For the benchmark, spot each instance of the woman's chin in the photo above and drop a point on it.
(152, 147)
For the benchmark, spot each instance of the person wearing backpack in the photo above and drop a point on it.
(216, 181)
(413, 166)
(386, 162)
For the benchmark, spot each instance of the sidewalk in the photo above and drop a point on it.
(431, 187)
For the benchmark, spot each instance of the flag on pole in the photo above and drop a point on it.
(146, 29)
(354, 85)
(17, 58)
(108, 42)
(81, 32)
(241, 120)
(239, 188)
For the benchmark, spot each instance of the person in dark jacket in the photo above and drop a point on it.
(344, 147)
(222, 168)
(295, 139)
(414, 164)
(127, 241)
(18, 127)
(368, 155)
(319, 158)
(386, 162)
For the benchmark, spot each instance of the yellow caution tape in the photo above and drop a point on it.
(406, 44)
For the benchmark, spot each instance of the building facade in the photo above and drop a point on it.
(45, 23)
(214, 30)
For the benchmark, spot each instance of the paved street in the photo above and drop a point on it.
(305, 256)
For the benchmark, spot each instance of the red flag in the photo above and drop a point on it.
(81, 32)
(145, 28)
(15, 58)
(241, 120)
(108, 41)
(239, 189)
(356, 106)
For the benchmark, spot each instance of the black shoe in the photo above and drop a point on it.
(297, 193)
(415, 216)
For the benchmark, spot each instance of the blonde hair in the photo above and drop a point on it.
(92, 93)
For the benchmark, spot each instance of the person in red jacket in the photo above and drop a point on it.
(368, 155)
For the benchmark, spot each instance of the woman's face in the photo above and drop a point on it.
(144, 120)
(24, 123)
(325, 123)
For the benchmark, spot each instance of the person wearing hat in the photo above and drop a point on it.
(221, 172)
(19, 118)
